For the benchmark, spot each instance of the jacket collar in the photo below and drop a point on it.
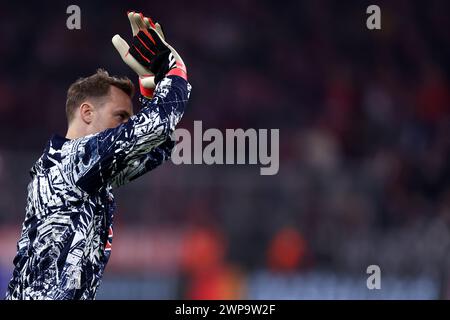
(51, 151)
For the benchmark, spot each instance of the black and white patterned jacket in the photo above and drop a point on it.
(66, 237)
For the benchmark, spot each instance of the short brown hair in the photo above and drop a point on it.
(94, 86)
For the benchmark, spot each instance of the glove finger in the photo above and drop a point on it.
(160, 31)
(145, 48)
(139, 20)
(156, 26)
(162, 44)
(121, 45)
(174, 52)
(139, 57)
(134, 26)
(123, 48)
(159, 41)
(147, 40)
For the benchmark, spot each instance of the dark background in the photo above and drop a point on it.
(364, 120)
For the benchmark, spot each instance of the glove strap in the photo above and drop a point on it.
(179, 70)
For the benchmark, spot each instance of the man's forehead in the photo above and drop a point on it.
(119, 100)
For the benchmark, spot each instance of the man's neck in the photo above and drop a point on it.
(74, 133)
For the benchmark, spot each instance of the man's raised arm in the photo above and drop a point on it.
(121, 154)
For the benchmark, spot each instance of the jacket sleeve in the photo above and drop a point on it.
(144, 163)
(120, 154)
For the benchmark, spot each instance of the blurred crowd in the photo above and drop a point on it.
(364, 119)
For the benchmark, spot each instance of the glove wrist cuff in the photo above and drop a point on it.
(178, 72)
(146, 92)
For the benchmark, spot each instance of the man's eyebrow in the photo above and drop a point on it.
(123, 112)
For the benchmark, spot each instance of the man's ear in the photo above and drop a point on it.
(86, 112)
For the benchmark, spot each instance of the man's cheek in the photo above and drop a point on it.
(115, 123)
(111, 123)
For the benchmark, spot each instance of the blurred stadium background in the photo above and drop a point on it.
(364, 119)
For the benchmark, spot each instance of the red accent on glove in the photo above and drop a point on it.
(144, 57)
(180, 71)
(149, 20)
(140, 40)
(145, 31)
(146, 92)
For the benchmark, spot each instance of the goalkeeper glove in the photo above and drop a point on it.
(146, 77)
(150, 56)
